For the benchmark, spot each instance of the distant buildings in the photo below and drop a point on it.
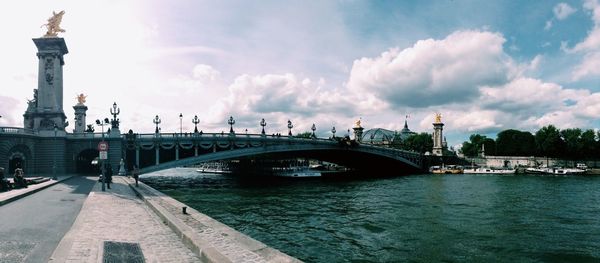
(384, 137)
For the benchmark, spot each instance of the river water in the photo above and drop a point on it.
(417, 218)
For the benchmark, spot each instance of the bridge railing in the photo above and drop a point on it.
(222, 136)
(15, 130)
(87, 135)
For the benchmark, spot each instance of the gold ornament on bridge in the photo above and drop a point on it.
(438, 118)
(81, 98)
(53, 25)
(358, 123)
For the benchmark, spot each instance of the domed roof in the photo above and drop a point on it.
(406, 132)
(378, 135)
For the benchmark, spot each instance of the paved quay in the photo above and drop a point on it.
(15, 194)
(32, 226)
(118, 215)
(210, 239)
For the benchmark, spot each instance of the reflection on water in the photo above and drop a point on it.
(419, 218)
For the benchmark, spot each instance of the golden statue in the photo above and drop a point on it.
(53, 25)
(81, 98)
(438, 118)
(358, 123)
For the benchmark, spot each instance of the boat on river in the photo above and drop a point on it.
(488, 170)
(555, 170)
(214, 168)
(446, 169)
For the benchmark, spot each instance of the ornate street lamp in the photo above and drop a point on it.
(290, 126)
(115, 111)
(333, 131)
(180, 124)
(195, 121)
(313, 128)
(102, 167)
(263, 123)
(372, 136)
(156, 121)
(231, 122)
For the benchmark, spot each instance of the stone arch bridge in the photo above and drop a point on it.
(73, 153)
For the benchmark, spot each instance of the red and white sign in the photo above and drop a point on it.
(103, 146)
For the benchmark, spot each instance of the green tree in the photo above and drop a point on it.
(421, 142)
(515, 143)
(472, 148)
(548, 142)
(572, 143)
(589, 145)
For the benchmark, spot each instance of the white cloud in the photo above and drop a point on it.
(589, 47)
(563, 10)
(548, 25)
(434, 72)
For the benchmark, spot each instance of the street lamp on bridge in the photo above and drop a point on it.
(290, 126)
(114, 111)
(231, 122)
(156, 121)
(263, 123)
(195, 121)
(102, 166)
(180, 123)
(313, 128)
(333, 131)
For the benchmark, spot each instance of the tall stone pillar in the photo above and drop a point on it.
(438, 144)
(46, 109)
(358, 131)
(80, 113)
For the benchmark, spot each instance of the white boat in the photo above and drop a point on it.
(214, 168)
(554, 170)
(295, 171)
(488, 170)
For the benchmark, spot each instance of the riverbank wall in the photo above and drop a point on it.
(210, 239)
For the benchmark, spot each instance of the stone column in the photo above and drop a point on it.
(49, 102)
(80, 113)
(438, 139)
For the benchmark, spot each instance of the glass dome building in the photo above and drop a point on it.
(382, 136)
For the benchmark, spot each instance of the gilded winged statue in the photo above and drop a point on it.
(81, 98)
(438, 118)
(53, 24)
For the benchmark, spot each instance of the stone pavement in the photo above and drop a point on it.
(210, 239)
(14, 194)
(119, 215)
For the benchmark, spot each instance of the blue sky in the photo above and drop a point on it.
(485, 65)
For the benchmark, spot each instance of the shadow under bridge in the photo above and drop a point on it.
(362, 157)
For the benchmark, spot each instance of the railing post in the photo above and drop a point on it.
(157, 151)
(137, 156)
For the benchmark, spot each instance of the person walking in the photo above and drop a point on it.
(136, 174)
(109, 174)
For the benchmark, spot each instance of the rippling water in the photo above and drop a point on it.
(419, 218)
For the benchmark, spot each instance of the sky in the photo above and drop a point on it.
(486, 66)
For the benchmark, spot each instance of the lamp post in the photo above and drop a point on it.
(156, 121)
(263, 123)
(313, 128)
(333, 131)
(195, 121)
(290, 126)
(115, 111)
(54, 155)
(231, 122)
(180, 123)
(102, 166)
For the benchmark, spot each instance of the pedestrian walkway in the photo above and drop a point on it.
(115, 225)
(213, 241)
(14, 194)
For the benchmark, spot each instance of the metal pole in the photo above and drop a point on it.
(103, 168)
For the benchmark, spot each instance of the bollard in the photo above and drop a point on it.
(184, 210)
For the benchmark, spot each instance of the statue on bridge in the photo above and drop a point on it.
(438, 118)
(53, 24)
(81, 99)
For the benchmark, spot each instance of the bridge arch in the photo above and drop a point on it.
(359, 157)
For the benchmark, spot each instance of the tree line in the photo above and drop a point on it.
(549, 141)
